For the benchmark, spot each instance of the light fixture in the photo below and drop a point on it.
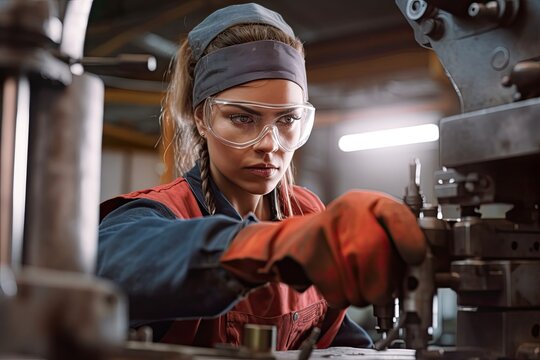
(390, 137)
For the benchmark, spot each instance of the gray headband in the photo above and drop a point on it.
(224, 18)
(238, 64)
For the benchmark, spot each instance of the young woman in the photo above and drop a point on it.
(232, 241)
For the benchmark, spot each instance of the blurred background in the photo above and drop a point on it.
(365, 71)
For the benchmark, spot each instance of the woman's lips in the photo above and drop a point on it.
(265, 172)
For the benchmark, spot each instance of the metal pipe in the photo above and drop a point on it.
(74, 30)
(13, 165)
(64, 176)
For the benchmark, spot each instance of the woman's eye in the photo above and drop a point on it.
(240, 119)
(289, 118)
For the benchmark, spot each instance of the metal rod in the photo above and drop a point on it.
(13, 167)
(64, 159)
(74, 30)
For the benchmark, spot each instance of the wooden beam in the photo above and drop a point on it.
(362, 56)
(116, 42)
(368, 68)
(122, 96)
(361, 45)
(118, 136)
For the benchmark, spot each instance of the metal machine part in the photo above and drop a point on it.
(50, 304)
(492, 264)
(66, 238)
(476, 51)
(413, 197)
(60, 315)
(385, 316)
(419, 285)
(490, 154)
(13, 163)
(417, 299)
(260, 338)
(501, 146)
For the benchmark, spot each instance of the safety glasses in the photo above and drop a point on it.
(241, 124)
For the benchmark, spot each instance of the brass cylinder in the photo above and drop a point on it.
(260, 338)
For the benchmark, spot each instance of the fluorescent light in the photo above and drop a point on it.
(390, 137)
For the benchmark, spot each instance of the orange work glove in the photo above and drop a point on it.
(353, 252)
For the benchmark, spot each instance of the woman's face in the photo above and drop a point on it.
(257, 169)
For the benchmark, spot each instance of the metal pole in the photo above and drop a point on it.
(64, 176)
(13, 165)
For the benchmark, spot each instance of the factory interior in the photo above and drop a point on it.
(363, 68)
(434, 102)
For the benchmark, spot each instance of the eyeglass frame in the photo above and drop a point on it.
(265, 130)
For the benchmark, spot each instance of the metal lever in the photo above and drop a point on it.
(120, 63)
(413, 196)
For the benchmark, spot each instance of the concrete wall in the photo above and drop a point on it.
(127, 170)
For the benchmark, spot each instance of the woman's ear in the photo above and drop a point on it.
(199, 120)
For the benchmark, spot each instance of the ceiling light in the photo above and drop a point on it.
(390, 137)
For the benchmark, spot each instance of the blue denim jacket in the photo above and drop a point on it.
(164, 278)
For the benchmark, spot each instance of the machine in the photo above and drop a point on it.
(50, 304)
(52, 307)
(490, 155)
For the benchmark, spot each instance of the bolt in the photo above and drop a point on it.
(434, 28)
(416, 9)
(489, 10)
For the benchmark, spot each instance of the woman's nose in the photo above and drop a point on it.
(268, 143)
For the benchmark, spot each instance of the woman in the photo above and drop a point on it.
(233, 241)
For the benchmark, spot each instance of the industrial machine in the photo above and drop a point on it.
(490, 155)
(51, 304)
(52, 307)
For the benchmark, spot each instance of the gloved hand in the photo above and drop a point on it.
(353, 252)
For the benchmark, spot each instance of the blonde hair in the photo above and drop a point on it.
(177, 112)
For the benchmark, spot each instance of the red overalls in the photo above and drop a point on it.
(293, 313)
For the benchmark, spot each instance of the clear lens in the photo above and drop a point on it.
(241, 124)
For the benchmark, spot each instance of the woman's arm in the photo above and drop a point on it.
(168, 267)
